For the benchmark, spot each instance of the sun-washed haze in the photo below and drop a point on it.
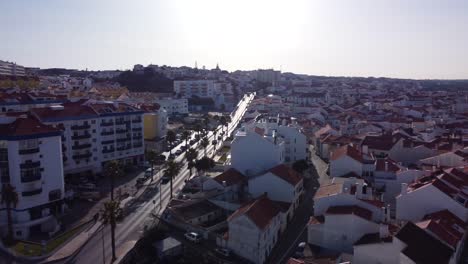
(393, 38)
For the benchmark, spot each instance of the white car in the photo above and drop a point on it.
(192, 236)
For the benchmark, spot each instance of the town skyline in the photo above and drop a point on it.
(417, 40)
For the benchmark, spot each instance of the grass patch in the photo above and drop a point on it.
(31, 249)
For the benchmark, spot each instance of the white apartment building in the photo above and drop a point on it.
(174, 106)
(96, 132)
(200, 88)
(255, 150)
(30, 161)
(295, 142)
(11, 69)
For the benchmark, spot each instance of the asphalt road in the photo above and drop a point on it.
(98, 248)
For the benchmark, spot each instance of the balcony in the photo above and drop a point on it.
(33, 192)
(83, 146)
(138, 145)
(31, 177)
(55, 195)
(84, 136)
(123, 139)
(105, 124)
(82, 156)
(104, 151)
(137, 120)
(124, 147)
(108, 133)
(105, 142)
(80, 127)
(28, 151)
(137, 129)
(121, 131)
(30, 165)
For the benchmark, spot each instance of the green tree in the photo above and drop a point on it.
(113, 169)
(300, 166)
(109, 215)
(191, 156)
(152, 157)
(204, 143)
(197, 128)
(223, 122)
(172, 169)
(170, 138)
(10, 199)
(204, 164)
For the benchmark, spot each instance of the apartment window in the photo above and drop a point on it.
(28, 144)
(93, 122)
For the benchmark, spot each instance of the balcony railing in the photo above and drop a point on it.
(33, 192)
(107, 133)
(79, 127)
(84, 136)
(123, 139)
(28, 151)
(138, 145)
(31, 177)
(82, 156)
(138, 120)
(105, 142)
(83, 146)
(137, 129)
(124, 147)
(108, 150)
(107, 123)
(30, 165)
(121, 131)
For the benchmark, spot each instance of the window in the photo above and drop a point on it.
(28, 144)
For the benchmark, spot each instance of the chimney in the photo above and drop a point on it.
(358, 190)
(386, 165)
(404, 187)
(383, 231)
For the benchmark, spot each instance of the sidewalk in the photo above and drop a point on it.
(73, 245)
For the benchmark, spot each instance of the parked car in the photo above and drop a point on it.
(148, 172)
(165, 179)
(178, 152)
(223, 251)
(300, 250)
(192, 236)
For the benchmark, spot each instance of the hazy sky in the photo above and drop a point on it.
(395, 38)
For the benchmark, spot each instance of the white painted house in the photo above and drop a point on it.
(254, 230)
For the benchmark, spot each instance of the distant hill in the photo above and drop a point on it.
(447, 85)
(149, 81)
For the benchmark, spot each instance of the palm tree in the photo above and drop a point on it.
(190, 156)
(206, 122)
(172, 168)
(112, 169)
(186, 136)
(223, 121)
(204, 143)
(109, 215)
(10, 199)
(152, 157)
(170, 138)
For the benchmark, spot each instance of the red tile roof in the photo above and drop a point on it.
(25, 125)
(286, 173)
(445, 225)
(231, 176)
(328, 190)
(350, 209)
(260, 211)
(391, 165)
(75, 109)
(349, 151)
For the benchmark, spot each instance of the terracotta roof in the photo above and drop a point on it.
(350, 209)
(24, 126)
(445, 225)
(328, 190)
(422, 247)
(316, 220)
(348, 150)
(260, 211)
(384, 142)
(391, 165)
(70, 110)
(259, 131)
(286, 173)
(231, 176)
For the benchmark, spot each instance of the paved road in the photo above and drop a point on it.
(133, 225)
